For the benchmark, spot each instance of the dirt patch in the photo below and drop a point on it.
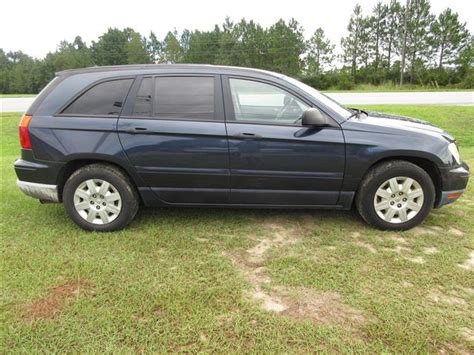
(468, 334)
(456, 232)
(297, 302)
(423, 230)
(367, 246)
(50, 305)
(417, 260)
(407, 284)
(398, 249)
(438, 296)
(269, 302)
(320, 307)
(256, 253)
(398, 239)
(468, 264)
(355, 235)
(308, 304)
(430, 250)
(453, 349)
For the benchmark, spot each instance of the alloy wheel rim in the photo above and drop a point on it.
(97, 201)
(399, 199)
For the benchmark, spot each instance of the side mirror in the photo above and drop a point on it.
(312, 117)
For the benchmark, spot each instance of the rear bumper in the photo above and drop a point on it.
(43, 192)
(454, 182)
(36, 178)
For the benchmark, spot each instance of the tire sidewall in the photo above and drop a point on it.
(129, 203)
(410, 171)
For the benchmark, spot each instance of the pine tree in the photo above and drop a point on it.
(352, 44)
(321, 53)
(449, 37)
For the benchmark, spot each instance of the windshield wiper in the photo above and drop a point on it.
(356, 112)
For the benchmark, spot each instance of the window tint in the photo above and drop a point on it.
(255, 101)
(143, 102)
(184, 97)
(105, 98)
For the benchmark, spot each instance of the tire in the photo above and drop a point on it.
(110, 207)
(406, 208)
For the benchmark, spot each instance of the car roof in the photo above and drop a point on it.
(147, 68)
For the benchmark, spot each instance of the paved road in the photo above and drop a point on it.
(366, 98)
(10, 104)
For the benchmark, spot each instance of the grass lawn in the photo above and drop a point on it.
(393, 88)
(16, 95)
(237, 280)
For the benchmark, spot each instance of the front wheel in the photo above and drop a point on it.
(100, 197)
(395, 195)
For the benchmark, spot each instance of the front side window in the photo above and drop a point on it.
(260, 102)
(103, 99)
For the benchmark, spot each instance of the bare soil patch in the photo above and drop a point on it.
(468, 264)
(50, 305)
(321, 307)
(298, 303)
(398, 239)
(468, 334)
(438, 296)
(417, 260)
(430, 250)
(456, 232)
(423, 230)
(367, 246)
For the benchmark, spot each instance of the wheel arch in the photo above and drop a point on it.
(78, 162)
(428, 165)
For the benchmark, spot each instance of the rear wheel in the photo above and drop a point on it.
(100, 197)
(395, 195)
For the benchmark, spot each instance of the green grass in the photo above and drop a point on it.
(395, 88)
(179, 279)
(16, 95)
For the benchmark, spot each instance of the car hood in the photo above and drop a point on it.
(385, 120)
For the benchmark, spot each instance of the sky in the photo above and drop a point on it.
(37, 26)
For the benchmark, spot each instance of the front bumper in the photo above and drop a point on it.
(43, 192)
(454, 182)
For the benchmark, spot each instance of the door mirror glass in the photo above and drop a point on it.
(312, 117)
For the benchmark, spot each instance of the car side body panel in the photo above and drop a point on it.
(198, 163)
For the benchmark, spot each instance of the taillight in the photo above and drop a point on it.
(23, 130)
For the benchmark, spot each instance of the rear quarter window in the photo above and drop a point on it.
(103, 99)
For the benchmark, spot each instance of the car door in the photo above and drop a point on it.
(274, 160)
(173, 132)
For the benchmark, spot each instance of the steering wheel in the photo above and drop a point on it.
(287, 102)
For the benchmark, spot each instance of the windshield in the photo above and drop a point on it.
(333, 105)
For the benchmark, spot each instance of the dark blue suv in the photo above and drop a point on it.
(104, 140)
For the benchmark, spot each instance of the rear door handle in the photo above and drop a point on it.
(247, 136)
(135, 130)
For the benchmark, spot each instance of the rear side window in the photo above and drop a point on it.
(184, 97)
(176, 97)
(106, 98)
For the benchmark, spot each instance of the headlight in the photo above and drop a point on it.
(453, 148)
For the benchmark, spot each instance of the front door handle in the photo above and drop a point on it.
(135, 130)
(247, 136)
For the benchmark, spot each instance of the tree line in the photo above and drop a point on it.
(397, 43)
